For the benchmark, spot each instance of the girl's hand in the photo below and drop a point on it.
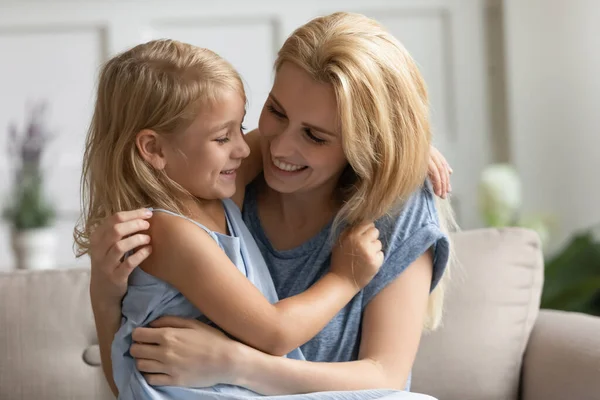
(183, 352)
(357, 255)
(439, 173)
(109, 243)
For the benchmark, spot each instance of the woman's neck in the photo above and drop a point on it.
(290, 219)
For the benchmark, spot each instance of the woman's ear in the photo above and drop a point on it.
(149, 145)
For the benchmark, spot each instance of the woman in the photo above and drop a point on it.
(344, 137)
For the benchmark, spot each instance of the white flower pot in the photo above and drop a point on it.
(35, 248)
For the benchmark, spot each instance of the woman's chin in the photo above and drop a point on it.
(278, 184)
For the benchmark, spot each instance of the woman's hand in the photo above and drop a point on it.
(109, 243)
(183, 352)
(439, 173)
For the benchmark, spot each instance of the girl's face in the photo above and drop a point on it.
(300, 140)
(205, 157)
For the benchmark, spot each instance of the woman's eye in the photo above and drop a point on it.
(273, 111)
(312, 136)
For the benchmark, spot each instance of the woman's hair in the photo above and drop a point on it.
(161, 85)
(383, 116)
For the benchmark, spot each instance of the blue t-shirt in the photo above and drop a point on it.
(405, 237)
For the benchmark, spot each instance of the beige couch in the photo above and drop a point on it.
(495, 343)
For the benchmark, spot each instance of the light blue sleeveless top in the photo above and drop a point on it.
(149, 298)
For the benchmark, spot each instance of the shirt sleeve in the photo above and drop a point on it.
(405, 237)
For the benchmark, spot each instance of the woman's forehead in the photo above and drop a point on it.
(305, 99)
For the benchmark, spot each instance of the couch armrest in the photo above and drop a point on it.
(562, 360)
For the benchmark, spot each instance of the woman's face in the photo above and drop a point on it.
(300, 140)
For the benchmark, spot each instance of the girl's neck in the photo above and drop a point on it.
(210, 213)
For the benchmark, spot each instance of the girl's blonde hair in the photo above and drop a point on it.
(162, 86)
(383, 117)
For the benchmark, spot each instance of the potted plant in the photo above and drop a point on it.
(29, 211)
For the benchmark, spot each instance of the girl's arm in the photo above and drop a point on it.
(183, 352)
(389, 343)
(187, 258)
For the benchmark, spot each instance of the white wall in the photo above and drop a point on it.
(553, 85)
(52, 50)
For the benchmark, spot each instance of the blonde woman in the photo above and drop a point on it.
(344, 138)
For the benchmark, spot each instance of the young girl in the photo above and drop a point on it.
(167, 134)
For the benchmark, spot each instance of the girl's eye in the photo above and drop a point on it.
(242, 128)
(312, 137)
(276, 113)
(222, 140)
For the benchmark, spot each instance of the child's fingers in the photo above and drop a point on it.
(448, 171)
(434, 175)
(439, 162)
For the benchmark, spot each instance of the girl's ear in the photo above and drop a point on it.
(149, 145)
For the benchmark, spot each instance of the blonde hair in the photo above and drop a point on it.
(383, 113)
(162, 86)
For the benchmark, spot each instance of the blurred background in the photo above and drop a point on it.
(514, 86)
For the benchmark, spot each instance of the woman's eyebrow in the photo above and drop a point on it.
(316, 128)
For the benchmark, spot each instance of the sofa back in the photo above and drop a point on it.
(492, 303)
(47, 334)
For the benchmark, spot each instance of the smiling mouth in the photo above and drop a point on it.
(231, 171)
(287, 166)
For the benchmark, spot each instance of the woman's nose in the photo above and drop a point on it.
(283, 144)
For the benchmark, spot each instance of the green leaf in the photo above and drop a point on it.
(572, 277)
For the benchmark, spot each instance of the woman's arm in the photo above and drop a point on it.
(188, 354)
(108, 320)
(187, 258)
(108, 278)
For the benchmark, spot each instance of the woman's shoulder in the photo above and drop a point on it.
(416, 213)
(406, 235)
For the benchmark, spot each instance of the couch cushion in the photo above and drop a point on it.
(492, 303)
(46, 325)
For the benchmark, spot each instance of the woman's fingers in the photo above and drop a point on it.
(119, 249)
(159, 379)
(130, 263)
(115, 227)
(118, 232)
(174, 322)
(150, 366)
(150, 336)
(144, 351)
(126, 216)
